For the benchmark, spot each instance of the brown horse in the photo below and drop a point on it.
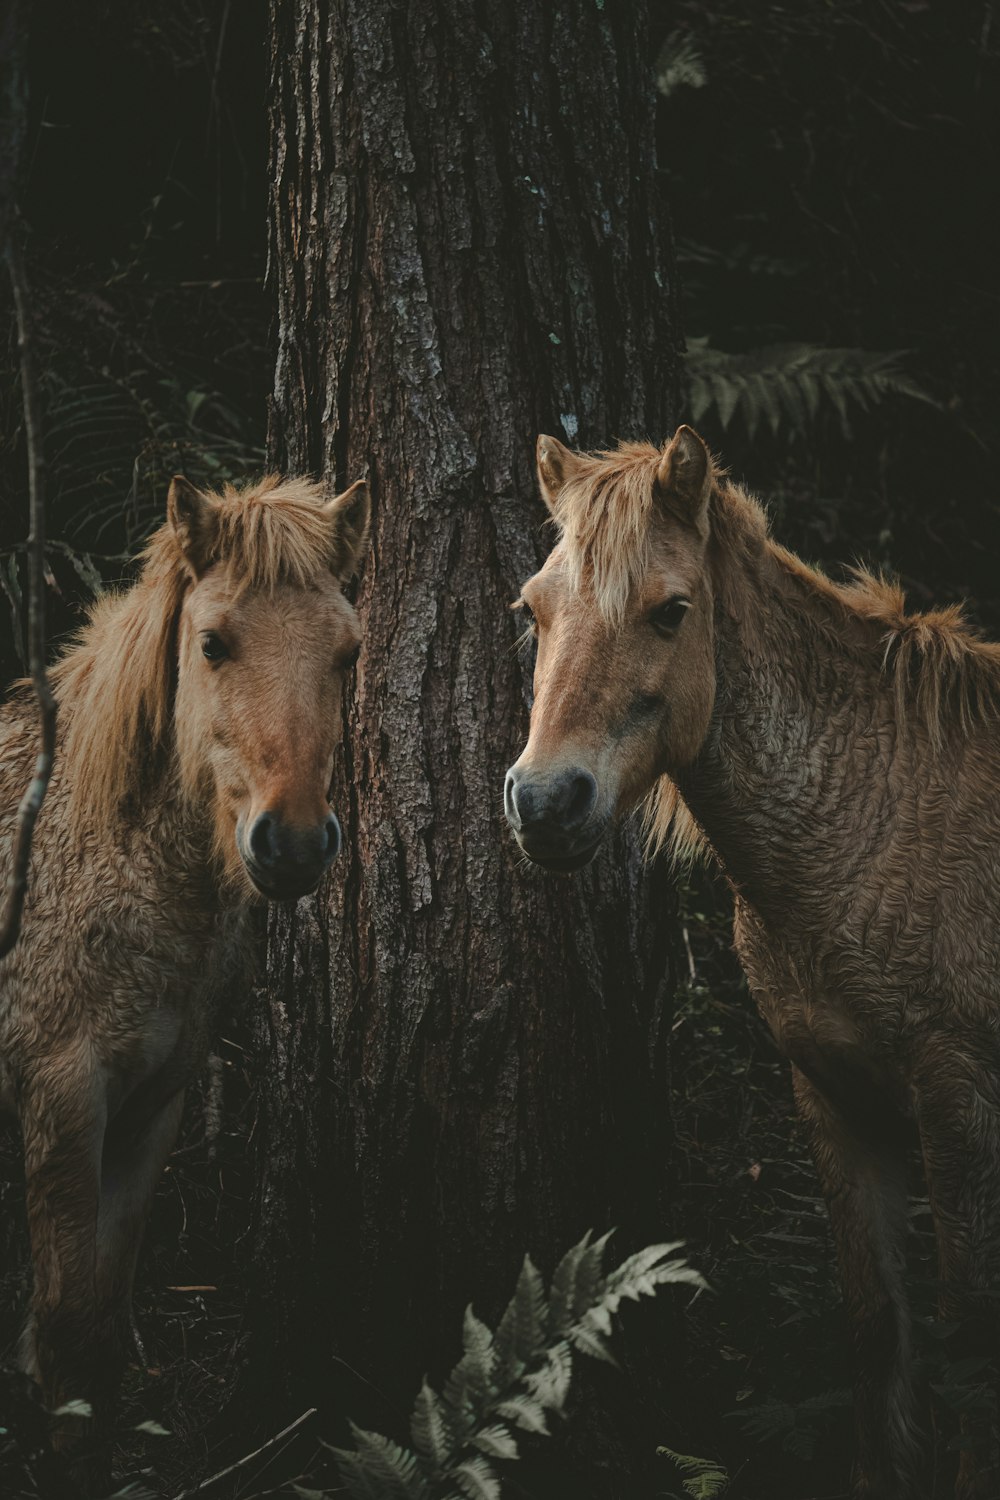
(199, 715)
(841, 760)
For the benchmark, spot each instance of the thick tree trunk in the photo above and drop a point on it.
(463, 1059)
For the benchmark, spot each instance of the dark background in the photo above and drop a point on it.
(831, 175)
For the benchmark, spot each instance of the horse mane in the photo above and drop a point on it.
(116, 682)
(943, 673)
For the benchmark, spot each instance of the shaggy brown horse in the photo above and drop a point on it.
(199, 715)
(841, 759)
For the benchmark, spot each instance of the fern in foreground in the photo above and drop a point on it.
(507, 1382)
(704, 1479)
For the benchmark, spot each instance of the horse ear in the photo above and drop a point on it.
(193, 520)
(351, 515)
(556, 465)
(684, 477)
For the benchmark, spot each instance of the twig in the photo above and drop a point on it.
(241, 1463)
(692, 967)
(17, 879)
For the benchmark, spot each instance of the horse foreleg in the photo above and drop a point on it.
(62, 1121)
(864, 1184)
(135, 1151)
(958, 1109)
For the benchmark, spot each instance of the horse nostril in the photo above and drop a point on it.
(580, 800)
(510, 801)
(261, 840)
(332, 839)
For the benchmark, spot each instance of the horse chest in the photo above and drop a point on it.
(163, 1000)
(828, 1007)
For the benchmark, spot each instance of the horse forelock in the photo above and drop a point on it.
(603, 512)
(273, 532)
(116, 684)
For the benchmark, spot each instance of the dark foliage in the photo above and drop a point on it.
(832, 182)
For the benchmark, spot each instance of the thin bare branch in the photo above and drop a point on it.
(241, 1463)
(31, 802)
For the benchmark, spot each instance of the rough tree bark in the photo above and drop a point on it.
(463, 1059)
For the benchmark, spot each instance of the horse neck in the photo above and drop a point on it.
(800, 728)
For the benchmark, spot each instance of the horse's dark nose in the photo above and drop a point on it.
(286, 860)
(556, 802)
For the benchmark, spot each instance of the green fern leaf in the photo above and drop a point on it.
(642, 1274)
(509, 1382)
(468, 1386)
(497, 1441)
(590, 1275)
(431, 1431)
(525, 1412)
(728, 390)
(700, 398)
(562, 1296)
(477, 1341)
(637, 1265)
(550, 1383)
(520, 1335)
(476, 1479)
(359, 1483)
(788, 385)
(393, 1471)
(590, 1342)
(703, 1478)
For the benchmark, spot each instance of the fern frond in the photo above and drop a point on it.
(477, 1341)
(520, 1335)
(360, 1481)
(392, 1469)
(789, 385)
(476, 1479)
(472, 1377)
(431, 1430)
(525, 1412)
(497, 1441)
(562, 1300)
(508, 1382)
(704, 1479)
(589, 1274)
(549, 1384)
(641, 1274)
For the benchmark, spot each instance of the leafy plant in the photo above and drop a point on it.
(799, 1425)
(704, 1479)
(790, 385)
(508, 1382)
(117, 442)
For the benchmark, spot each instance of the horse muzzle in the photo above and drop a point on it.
(555, 816)
(285, 861)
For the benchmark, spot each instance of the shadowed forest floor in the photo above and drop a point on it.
(754, 1373)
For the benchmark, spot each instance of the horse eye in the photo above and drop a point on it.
(529, 617)
(213, 648)
(668, 617)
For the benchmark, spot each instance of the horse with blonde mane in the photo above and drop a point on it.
(840, 760)
(199, 714)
